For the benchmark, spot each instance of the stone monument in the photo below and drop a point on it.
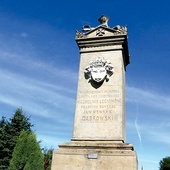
(98, 141)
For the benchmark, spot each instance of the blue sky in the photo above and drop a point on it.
(39, 62)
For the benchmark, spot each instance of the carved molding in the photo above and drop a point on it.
(101, 30)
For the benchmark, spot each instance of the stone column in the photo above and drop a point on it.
(100, 106)
(98, 141)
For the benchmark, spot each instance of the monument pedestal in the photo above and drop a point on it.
(94, 155)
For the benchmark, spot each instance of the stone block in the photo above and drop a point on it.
(94, 156)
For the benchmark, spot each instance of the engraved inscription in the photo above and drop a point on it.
(97, 118)
(98, 107)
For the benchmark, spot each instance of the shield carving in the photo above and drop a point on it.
(99, 70)
(98, 73)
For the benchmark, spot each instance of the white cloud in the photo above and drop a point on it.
(38, 97)
(23, 34)
(149, 98)
(154, 130)
(37, 85)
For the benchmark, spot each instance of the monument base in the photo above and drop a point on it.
(94, 155)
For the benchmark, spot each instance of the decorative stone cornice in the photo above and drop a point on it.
(102, 30)
(103, 38)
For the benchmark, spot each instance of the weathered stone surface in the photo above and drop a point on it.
(94, 156)
(99, 124)
(100, 108)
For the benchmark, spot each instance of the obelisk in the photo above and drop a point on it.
(98, 141)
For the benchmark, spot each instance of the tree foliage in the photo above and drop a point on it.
(4, 150)
(47, 158)
(27, 153)
(9, 133)
(10, 130)
(165, 164)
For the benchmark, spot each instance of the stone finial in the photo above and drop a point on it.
(87, 30)
(104, 20)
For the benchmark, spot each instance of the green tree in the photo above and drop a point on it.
(165, 164)
(27, 153)
(4, 151)
(9, 133)
(47, 158)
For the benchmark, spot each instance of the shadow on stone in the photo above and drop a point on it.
(96, 85)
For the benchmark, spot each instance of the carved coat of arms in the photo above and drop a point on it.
(99, 70)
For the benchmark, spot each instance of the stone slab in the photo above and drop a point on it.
(94, 156)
